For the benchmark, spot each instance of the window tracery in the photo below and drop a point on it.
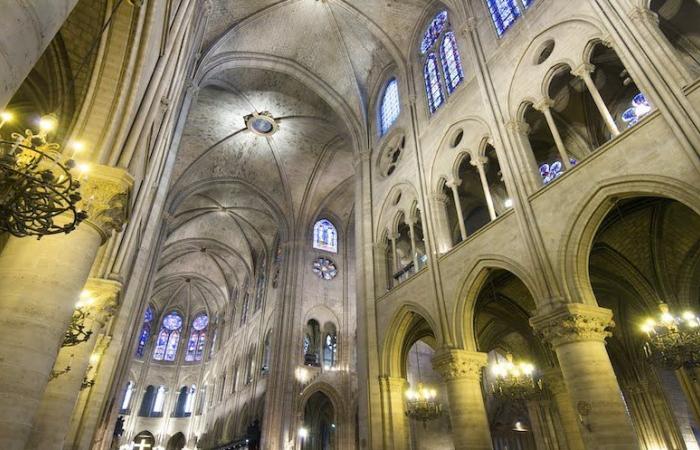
(168, 338)
(439, 39)
(325, 236)
(198, 338)
(145, 332)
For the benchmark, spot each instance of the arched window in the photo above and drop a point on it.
(198, 338)
(451, 61)
(189, 404)
(260, 283)
(390, 106)
(145, 331)
(265, 368)
(433, 86)
(504, 13)
(330, 346)
(168, 338)
(159, 402)
(439, 39)
(250, 369)
(244, 308)
(147, 401)
(126, 401)
(325, 236)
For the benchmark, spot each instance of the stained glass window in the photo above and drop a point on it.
(527, 3)
(198, 338)
(504, 13)
(244, 309)
(432, 34)
(432, 83)
(260, 284)
(330, 349)
(550, 172)
(168, 338)
(145, 332)
(126, 402)
(325, 236)
(390, 107)
(639, 108)
(189, 403)
(451, 62)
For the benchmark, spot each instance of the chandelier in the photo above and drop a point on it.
(38, 194)
(514, 380)
(673, 341)
(76, 332)
(422, 403)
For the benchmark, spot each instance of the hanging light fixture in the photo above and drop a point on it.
(673, 341)
(421, 403)
(38, 193)
(514, 380)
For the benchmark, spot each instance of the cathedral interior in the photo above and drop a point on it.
(350, 225)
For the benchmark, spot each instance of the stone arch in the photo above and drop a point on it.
(581, 229)
(410, 323)
(471, 286)
(329, 391)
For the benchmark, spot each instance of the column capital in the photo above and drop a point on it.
(583, 70)
(518, 127)
(438, 197)
(453, 183)
(105, 196)
(392, 236)
(574, 322)
(469, 26)
(543, 105)
(641, 14)
(103, 298)
(455, 364)
(479, 161)
(361, 157)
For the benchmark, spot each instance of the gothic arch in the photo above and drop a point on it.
(329, 391)
(471, 286)
(581, 228)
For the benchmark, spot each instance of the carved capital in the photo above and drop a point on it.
(105, 196)
(469, 26)
(479, 161)
(518, 127)
(360, 158)
(439, 198)
(543, 105)
(453, 183)
(102, 344)
(101, 298)
(583, 70)
(645, 15)
(574, 322)
(453, 364)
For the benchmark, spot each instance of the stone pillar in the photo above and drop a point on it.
(394, 259)
(453, 184)
(414, 252)
(479, 164)
(395, 422)
(461, 371)
(53, 418)
(545, 107)
(584, 72)
(577, 333)
(442, 223)
(28, 28)
(40, 282)
(569, 429)
(520, 131)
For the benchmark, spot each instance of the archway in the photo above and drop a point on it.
(144, 440)
(501, 327)
(176, 442)
(319, 423)
(678, 21)
(646, 251)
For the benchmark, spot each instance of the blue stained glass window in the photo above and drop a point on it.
(527, 3)
(145, 332)
(390, 107)
(432, 34)
(432, 83)
(451, 62)
(325, 236)
(504, 13)
(198, 338)
(639, 108)
(551, 172)
(168, 338)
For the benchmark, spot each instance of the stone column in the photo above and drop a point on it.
(545, 107)
(453, 184)
(577, 333)
(461, 371)
(584, 72)
(394, 258)
(544, 425)
(28, 28)
(414, 253)
(40, 281)
(53, 418)
(520, 131)
(569, 430)
(479, 164)
(393, 391)
(444, 236)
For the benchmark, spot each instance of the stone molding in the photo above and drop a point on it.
(105, 196)
(574, 322)
(393, 384)
(455, 364)
(518, 127)
(583, 70)
(104, 296)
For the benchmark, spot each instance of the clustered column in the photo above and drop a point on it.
(461, 370)
(577, 333)
(393, 390)
(40, 282)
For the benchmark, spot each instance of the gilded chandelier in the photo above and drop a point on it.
(38, 194)
(422, 404)
(673, 341)
(514, 380)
